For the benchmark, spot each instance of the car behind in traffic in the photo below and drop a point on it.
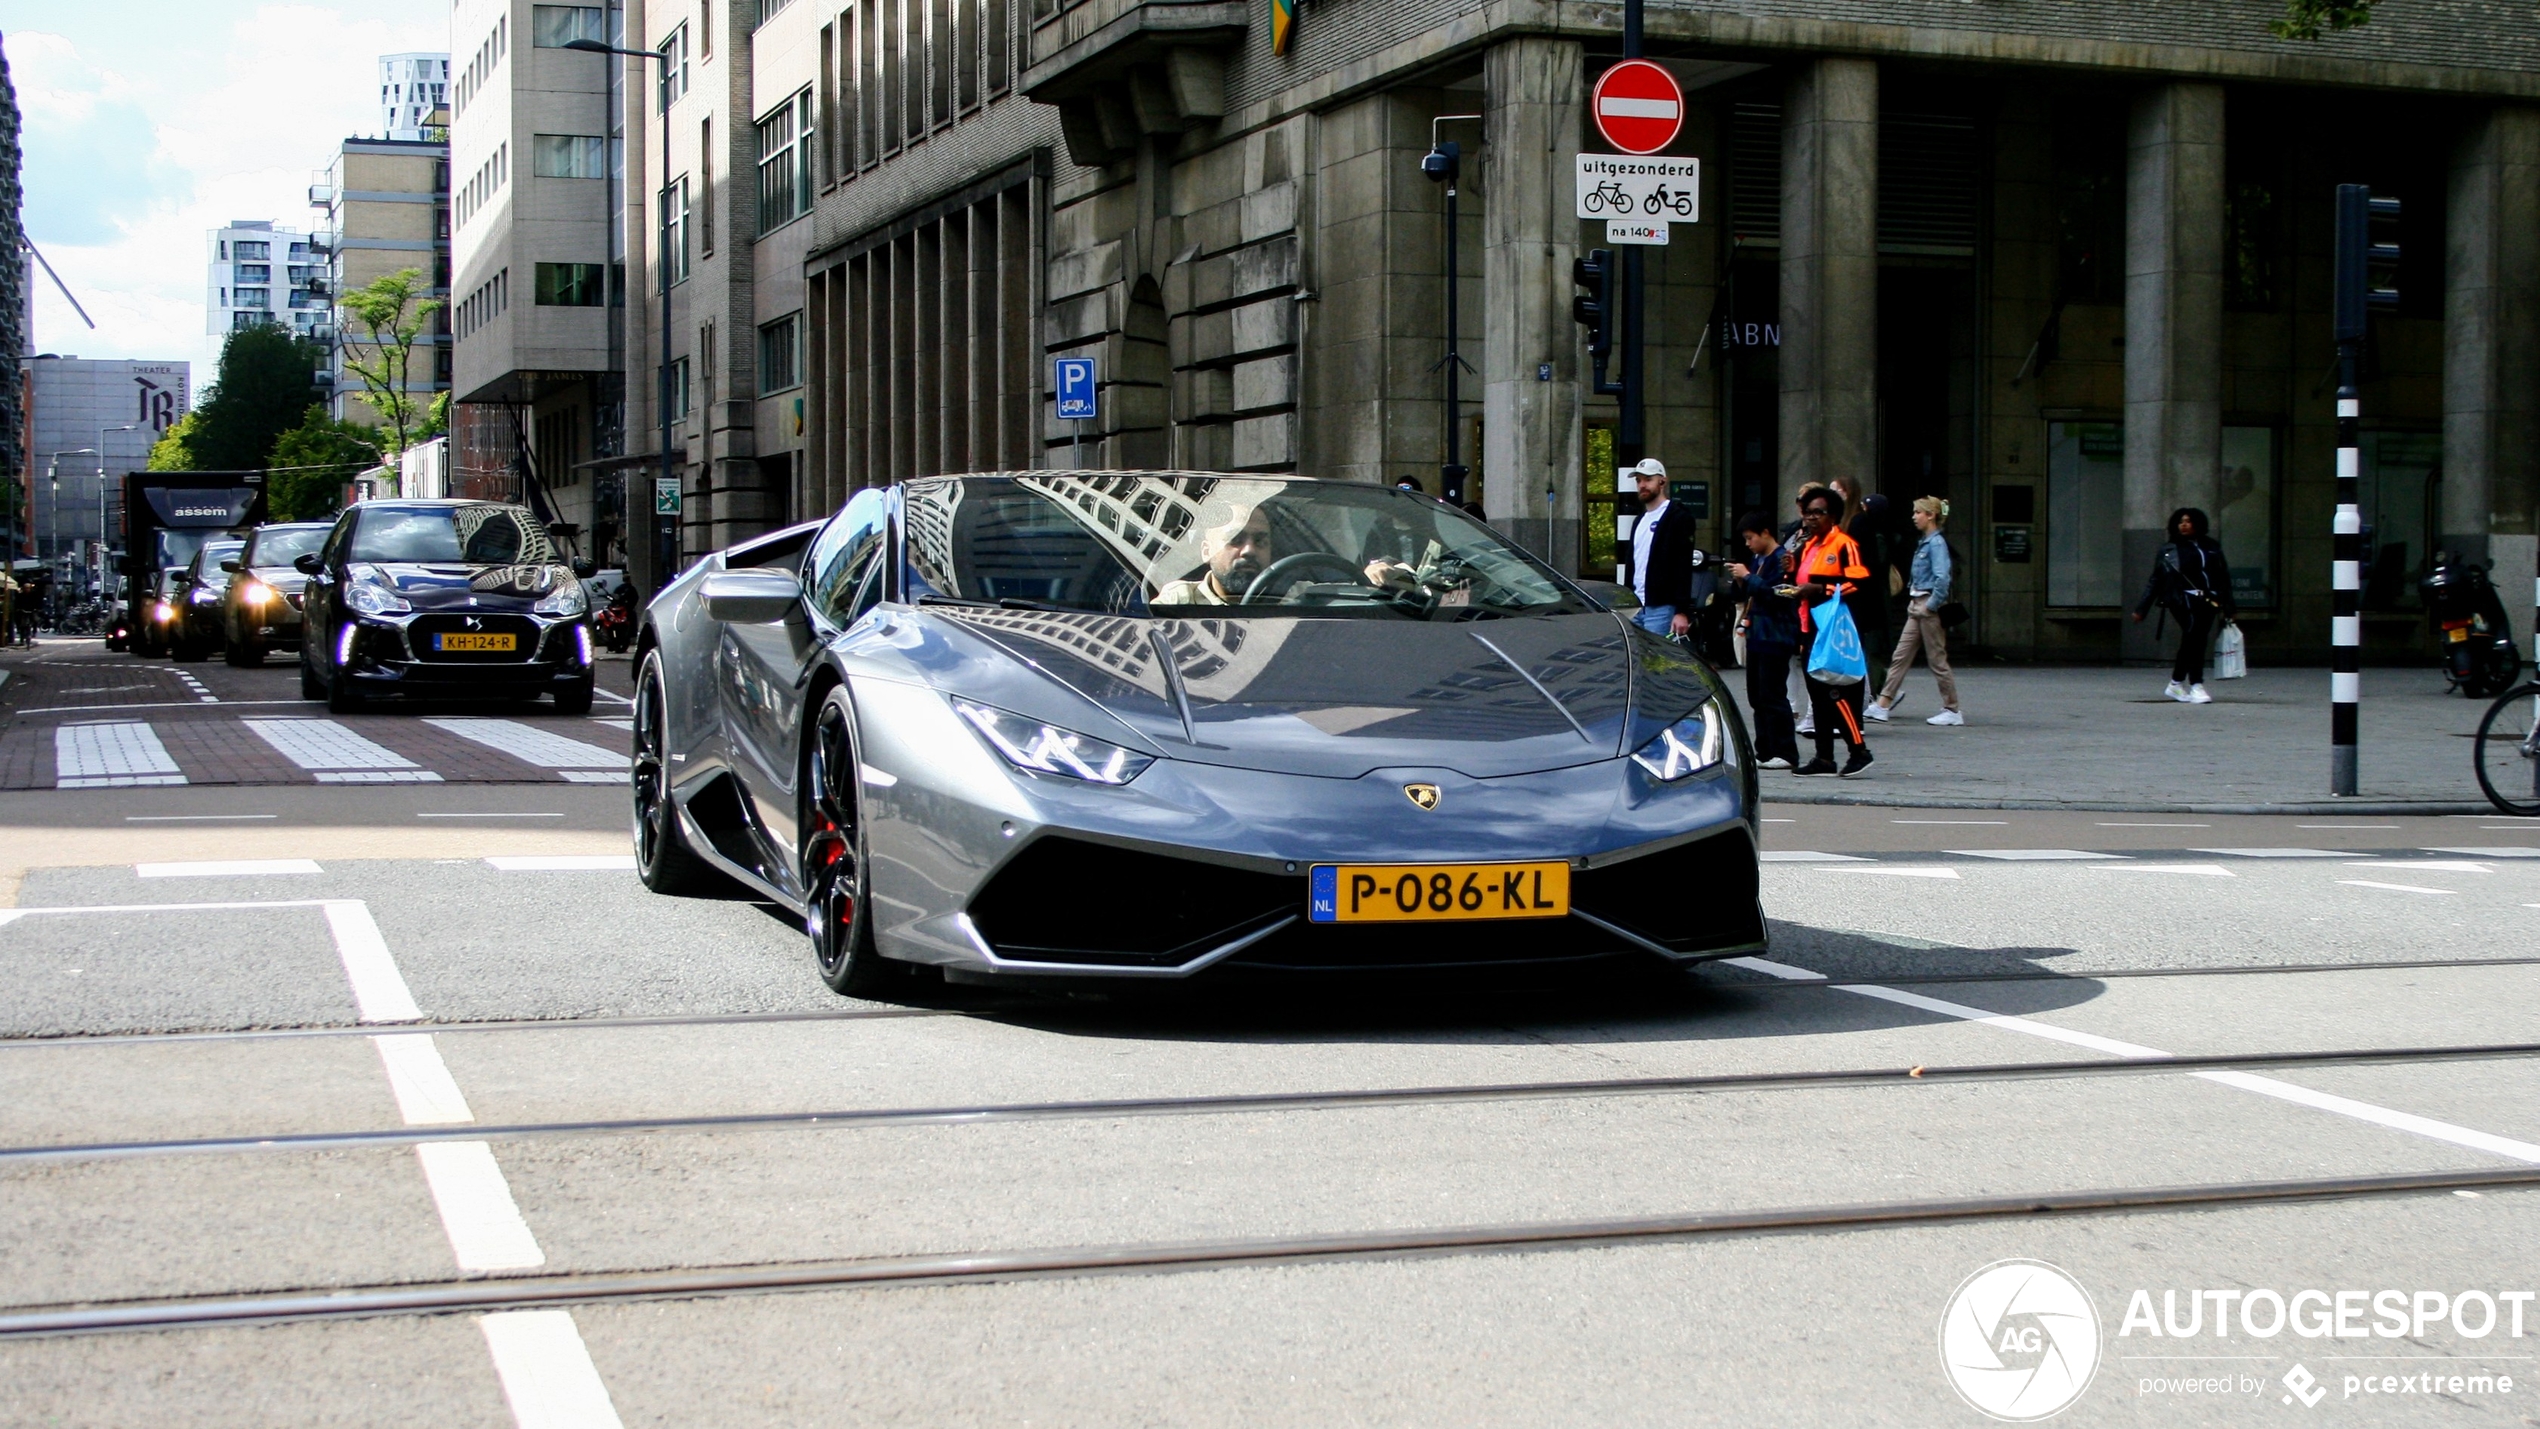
(260, 607)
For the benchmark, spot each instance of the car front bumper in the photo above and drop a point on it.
(385, 654)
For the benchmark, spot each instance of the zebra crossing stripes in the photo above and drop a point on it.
(568, 759)
(334, 754)
(111, 755)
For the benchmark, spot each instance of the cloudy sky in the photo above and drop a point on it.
(148, 123)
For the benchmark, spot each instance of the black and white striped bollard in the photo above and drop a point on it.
(2345, 680)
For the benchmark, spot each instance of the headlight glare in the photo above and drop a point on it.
(1047, 749)
(255, 592)
(371, 593)
(1685, 748)
(566, 599)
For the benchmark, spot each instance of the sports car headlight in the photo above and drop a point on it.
(1685, 748)
(566, 599)
(371, 593)
(1047, 749)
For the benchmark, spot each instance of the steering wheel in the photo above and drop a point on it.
(1287, 568)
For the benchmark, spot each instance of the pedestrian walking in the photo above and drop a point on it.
(1926, 591)
(1792, 539)
(2191, 583)
(1830, 568)
(1662, 555)
(1772, 638)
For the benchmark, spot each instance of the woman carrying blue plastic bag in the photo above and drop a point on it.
(1830, 566)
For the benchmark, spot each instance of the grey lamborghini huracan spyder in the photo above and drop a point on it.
(1142, 724)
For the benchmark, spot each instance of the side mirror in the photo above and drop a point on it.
(585, 568)
(231, 567)
(751, 597)
(308, 564)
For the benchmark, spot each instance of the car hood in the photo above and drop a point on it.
(286, 579)
(458, 587)
(1339, 698)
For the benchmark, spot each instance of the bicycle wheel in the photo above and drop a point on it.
(2508, 752)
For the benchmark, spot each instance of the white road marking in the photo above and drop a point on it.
(227, 868)
(2426, 865)
(625, 722)
(111, 755)
(532, 745)
(379, 990)
(2491, 852)
(562, 862)
(2264, 1086)
(189, 704)
(2394, 887)
(591, 776)
(493, 815)
(2275, 852)
(477, 1210)
(2156, 826)
(190, 818)
(336, 755)
(547, 1371)
(1805, 856)
(426, 1095)
(2028, 855)
(613, 695)
(1911, 870)
(2207, 870)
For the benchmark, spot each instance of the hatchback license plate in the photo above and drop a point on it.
(1435, 892)
(462, 640)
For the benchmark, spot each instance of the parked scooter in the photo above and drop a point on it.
(615, 622)
(2479, 658)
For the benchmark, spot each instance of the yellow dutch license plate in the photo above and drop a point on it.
(1435, 892)
(462, 640)
(2456, 634)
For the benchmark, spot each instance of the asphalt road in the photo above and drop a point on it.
(551, 1150)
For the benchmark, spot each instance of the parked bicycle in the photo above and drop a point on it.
(2508, 752)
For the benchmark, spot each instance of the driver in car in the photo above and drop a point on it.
(1238, 550)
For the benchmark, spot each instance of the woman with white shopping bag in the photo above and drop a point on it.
(1830, 566)
(2191, 583)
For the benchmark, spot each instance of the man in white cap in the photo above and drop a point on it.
(1662, 554)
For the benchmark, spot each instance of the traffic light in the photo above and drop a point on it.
(1595, 307)
(2367, 263)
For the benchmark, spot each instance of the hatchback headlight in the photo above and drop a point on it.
(372, 593)
(254, 592)
(1047, 749)
(567, 599)
(1685, 748)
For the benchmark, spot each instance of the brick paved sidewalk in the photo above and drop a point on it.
(2105, 737)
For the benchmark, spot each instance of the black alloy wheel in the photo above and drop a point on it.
(662, 856)
(835, 912)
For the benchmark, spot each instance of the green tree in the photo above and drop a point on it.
(382, 321)
(312, 461)
(174, 451)
(2310, 19)
(266, 377)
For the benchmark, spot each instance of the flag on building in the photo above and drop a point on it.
(1282, 20)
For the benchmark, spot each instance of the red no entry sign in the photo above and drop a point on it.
(1638, 107)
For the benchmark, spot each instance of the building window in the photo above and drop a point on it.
(254, 273)
(678, 404)
(244, 321)
(784, 163)
(2244, 514)
(767, 9)
(223, 255)
(674, 67)
(570, 156)
(2085, 513)
(780, 348)
(571, 285)
(554, 26)
(674, 229)
(2398, 498)
(257, 250)
(255, 297)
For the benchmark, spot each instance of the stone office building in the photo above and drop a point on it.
(2064, 265)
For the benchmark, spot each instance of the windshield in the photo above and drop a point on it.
(487, 535)
(1138, 544)
(207, 561)
(281, 545)
(178, 547)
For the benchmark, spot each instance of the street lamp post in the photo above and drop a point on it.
(102, 542)
(661, 557)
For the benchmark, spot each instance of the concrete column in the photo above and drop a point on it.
(2491, 345)
(1531, 457)
(1830, 276)
(2173, 321)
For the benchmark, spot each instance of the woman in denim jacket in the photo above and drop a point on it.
(1929, 591)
